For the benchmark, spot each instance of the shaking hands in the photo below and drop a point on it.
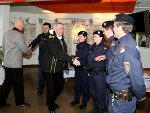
(76, 61)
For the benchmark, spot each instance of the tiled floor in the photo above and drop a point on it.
(38, 102)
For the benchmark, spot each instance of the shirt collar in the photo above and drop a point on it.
(124, 37)
(59, 37)
(16, 29)
(100, 44)
(111, 38)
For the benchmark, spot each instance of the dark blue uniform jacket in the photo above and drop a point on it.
(125, 68)
(82, 52)
(39, 40)
(95, 51)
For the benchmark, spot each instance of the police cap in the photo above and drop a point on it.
(124, 18)
(107, 24)
(99, 32)
(83, 33)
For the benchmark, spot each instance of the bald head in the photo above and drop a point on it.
(19, 24)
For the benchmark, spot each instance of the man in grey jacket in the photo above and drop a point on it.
(13, 48)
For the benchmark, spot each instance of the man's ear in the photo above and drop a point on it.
(119, 28)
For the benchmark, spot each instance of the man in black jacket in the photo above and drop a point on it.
(55, 60)
(39, 40)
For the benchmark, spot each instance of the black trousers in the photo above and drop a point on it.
(54, 86)
(13, 77)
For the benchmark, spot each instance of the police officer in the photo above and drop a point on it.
(81, 74)
(97, 72)
(39, 40)
(108, 32)
(125, 70)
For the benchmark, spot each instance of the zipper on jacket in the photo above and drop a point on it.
(55, 65)
(51, 65)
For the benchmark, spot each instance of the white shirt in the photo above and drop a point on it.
(59, 37)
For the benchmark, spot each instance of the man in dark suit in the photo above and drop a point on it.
(55, 60)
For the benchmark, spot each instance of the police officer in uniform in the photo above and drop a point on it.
(125, 77)
(108, 32)
(81, 74)
(97, 73)
(55, 60)
(39, 40)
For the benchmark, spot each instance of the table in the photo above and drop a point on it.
(148, 90)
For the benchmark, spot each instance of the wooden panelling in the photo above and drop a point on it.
(88, 6)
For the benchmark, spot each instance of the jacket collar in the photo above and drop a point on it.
(16, 29)
(111, 38)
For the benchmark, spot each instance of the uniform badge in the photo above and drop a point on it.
(127, 66)
(112, 44)
(105, 48)
(122, 49)
(51, 36)
(104, 23)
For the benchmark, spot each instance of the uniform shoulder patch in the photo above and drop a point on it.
(112, 43)
(127, 66)
(122, 49)
(105, 48)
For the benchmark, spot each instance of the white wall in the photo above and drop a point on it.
(145, 57)
(4, 20)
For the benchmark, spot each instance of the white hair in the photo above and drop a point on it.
(55, 26)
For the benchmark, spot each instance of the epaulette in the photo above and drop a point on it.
(51, 36)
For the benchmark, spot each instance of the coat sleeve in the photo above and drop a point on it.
(133, 67)
(57, 51)
(21, 44)
(35, 41)
(83, 57)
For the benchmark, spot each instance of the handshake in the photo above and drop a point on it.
(97, 59)
(76, 61)
(30, 49)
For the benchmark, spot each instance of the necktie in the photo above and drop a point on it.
(61, 44)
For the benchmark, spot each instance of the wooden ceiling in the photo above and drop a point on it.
(85, 6)
(88, 6)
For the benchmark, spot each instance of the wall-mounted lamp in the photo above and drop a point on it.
(91, 21)
(56, 20)
(40, 21)
(73, 21)
(27, 20)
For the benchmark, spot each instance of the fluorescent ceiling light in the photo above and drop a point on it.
(47, 11)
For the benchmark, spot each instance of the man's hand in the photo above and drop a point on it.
(99, 58)
(29, 48)
(76, 62)
(142, 99)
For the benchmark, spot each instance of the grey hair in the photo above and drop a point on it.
(55, 25)
(127, 28)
